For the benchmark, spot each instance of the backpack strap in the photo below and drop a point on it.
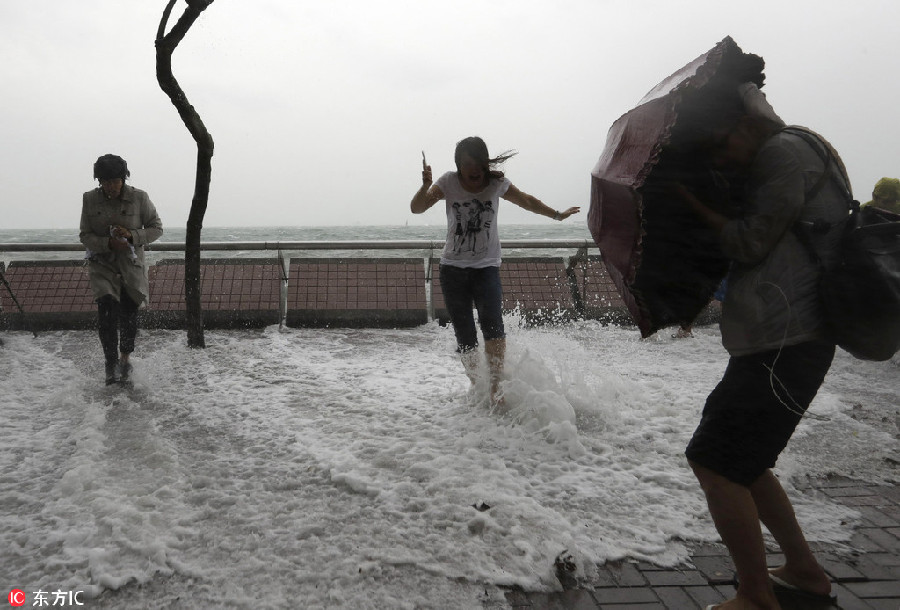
(802, 229)
(816, 142)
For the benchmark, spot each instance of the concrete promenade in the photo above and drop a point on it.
(866, 577)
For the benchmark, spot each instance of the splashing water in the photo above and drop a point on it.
(329, 468)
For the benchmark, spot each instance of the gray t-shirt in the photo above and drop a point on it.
(472, 237)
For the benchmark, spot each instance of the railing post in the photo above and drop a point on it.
(285, 265)
(429, 300)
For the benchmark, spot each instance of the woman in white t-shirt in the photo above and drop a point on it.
(470, 262)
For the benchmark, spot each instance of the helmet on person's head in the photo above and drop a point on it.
(887, 188)
(110, 167)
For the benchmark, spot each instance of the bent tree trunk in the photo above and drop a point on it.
(165, 46)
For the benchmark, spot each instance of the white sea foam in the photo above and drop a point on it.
(346, 468)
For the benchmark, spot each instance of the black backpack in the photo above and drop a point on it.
(861, 295)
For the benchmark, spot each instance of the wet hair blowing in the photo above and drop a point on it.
(478, 151)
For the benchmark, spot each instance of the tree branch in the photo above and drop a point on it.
(165, 19)
(165, 47)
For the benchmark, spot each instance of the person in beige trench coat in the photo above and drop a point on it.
(117, 220)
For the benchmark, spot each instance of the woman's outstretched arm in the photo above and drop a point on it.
(535, 205)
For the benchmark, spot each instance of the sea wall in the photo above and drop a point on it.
(311, 292)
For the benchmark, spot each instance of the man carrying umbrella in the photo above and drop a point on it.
(773, 328)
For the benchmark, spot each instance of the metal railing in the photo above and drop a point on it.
(410, 244)
(581, 246)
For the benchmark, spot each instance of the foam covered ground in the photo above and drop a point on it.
(343, 468)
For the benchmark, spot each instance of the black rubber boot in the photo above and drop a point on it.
(112, 373)
(125, 369)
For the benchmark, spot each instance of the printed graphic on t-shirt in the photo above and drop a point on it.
(473, 223)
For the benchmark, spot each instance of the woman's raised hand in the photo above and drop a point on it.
(426, 171)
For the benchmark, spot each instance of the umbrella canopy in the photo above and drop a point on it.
(665, 263)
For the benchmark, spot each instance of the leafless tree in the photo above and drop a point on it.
(165, 46)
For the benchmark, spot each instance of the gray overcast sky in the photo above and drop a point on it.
(319, 110)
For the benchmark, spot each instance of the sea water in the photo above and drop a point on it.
(575, 231)
(336, 468)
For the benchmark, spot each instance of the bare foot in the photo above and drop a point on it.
(498, 401)
(470, 361)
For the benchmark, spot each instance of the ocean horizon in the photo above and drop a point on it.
(554, 231)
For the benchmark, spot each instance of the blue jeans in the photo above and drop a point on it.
(463, 288)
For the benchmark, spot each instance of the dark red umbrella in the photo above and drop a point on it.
(665, 264)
